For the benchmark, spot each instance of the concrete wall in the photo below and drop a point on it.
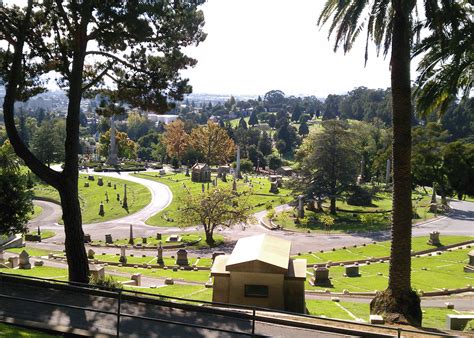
(220, 289)
(294, 296)
(238, 280)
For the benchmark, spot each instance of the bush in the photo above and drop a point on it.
(360, 197)
(107, 282)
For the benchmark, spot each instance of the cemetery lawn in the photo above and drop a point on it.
(138, 196)
(45, 234)
(37, 210)
(428, 274)
(47, 272)
(199, 240)
(200, 276)
(259, 198)
(12, 331)
(432, 317)
(139, 260)
(380, 249)
(350, 219)
(33, 251)
(194, 292)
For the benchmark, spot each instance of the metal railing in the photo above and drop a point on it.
(250, 313)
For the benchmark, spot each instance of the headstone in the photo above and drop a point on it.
(274, 187)
(106, 197)
(434, 238)
(158, 236)
(182, 257)
(90, 254)
(300, 206)
(118, 197)
(224, 177)
(96, 272)
(470, 266)
(376, 319)
(125, 203)
(321, 276)
(109, 184)
(108, 239)
(13, 261)
(187, 172)
(101, 209)
(217, 253)
(24, 261)
(115, 186)
(90, 177)
(174, 238)
(39, 263)
(352, 271)
(100, 181)
(123, 255)
(169, 281)
(203, 188)
(86, 184)
(130, 238)
(137, 277)
(160, 255)
(87, 238)
(144, 240)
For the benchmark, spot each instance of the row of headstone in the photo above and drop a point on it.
(321, 274)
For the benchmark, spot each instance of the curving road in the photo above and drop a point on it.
(459, 222)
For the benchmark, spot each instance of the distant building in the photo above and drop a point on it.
(285, 171)
(201, 172)
(166, 119)
(260, 272)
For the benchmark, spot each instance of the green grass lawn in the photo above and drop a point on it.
(381, 249)
(351, 218)
(168, 217)
(37, 210)
(201, 262)
(432, 317)
(138, 196)
(191, 276)
(187, 238)
(42, 272)
(428, 274)
(12, 331)
(45, 234)
(194, 292)
(33, 251)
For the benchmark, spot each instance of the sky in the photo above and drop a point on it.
(254, 46)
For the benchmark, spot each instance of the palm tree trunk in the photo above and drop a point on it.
(399, 303)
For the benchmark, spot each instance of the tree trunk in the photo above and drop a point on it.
(332, 208)
(399, 303)
(209, 238)
(74, 244)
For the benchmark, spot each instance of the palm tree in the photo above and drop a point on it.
(389, 24)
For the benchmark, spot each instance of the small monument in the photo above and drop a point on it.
(300, 206)
(24, 262)
(96, 272)
(203, 188)
(434, 239)
(158, 236)
(321, 276)
(182, 257)
(106, 197)
(115, 186)
(224, 177)
(101, 209)
(137, 278)
(108, 239)
(109, 184)
(87, 238)
(123, 256)
(274, 187)
(174, 238)
(90, 254)
(160, 255)
(130, 239)
(470, 266)
(86, 184)
(352, 271)
(13, 262)
(125, 203)
(100, 181)
(113, 158)
(187, 172)
(144, 240)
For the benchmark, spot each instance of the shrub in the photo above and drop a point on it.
(359, 197)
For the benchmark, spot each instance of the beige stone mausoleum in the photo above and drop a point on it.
(260, 272)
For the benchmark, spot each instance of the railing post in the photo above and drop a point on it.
(119, 299)
(253, 322)
(399, 332)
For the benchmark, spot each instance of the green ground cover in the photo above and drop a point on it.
(194, 292)
(432, 317)
(169, 261)
(187, 238)
(138, 196)
(428, 274)
(380, 249)
(168, 217)
(183, 275)
(12, 331)
(37, 210)
(351, 218)
(33, 251)
(45, 234)
(41, 271)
